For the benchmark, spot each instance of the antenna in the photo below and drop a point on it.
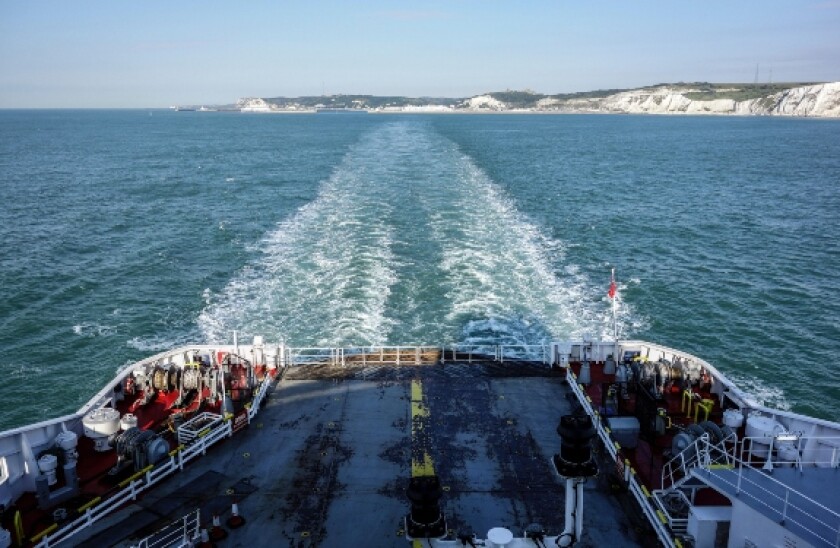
(755, 80)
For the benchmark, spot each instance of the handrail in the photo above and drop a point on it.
(766, 497)
(639, 491)
(181, 532)
(385, 354)
(473, 351)
(531, 352)
(704, 456)
(695, 454)
(178, 457)
(803, 445)
(341, 356)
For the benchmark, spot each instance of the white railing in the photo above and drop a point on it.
(697, 454)
(806, 451)
(782, 499)
(313, 356)
(529, 352)
(196, 426)
(785, 502)
(703, 456)
(361, 355)
(181, 533)
(677, 523)
(258, 398)
(141, 481)
(656, 517)
(677, 471)
(472, 351)
(415, 355)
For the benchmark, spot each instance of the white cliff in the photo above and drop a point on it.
(253, 104)
(483, 102)
(664, 100)
(821, 100)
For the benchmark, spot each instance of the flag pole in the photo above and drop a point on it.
(611, 293)
(614, 304)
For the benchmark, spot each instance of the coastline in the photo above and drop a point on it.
(803, 101)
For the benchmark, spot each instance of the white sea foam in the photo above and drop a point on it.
(17, 371)
(158, 344)
(408, 241)
(93, 330)
(324, 274)
(506, 281)
(770, 396)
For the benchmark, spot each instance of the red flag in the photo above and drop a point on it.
(611, 292)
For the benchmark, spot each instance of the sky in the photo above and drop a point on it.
(154, 53)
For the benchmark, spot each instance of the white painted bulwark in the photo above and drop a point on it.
(750, 528)
(709, 524)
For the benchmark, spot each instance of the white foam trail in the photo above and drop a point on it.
(325, 274)
(408, 242)
(500, 273)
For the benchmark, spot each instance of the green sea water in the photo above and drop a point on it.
(127, 232)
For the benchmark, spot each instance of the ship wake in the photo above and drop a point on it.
(408, 242)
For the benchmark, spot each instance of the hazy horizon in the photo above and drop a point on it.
(156, 54)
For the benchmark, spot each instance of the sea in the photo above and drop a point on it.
(127, 232)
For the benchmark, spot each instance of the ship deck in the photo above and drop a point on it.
(328, 459)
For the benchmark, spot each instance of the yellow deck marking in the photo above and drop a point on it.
(424, 468)
(418, 410)
(421, 462)
(416, 391)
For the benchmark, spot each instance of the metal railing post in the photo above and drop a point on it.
(784, 509)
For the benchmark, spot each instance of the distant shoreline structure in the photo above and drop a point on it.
(797, 100)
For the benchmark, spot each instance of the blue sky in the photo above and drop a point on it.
(151, 53)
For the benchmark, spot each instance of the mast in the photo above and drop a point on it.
(611, 294)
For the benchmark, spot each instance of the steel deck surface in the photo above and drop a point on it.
(327, 461)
